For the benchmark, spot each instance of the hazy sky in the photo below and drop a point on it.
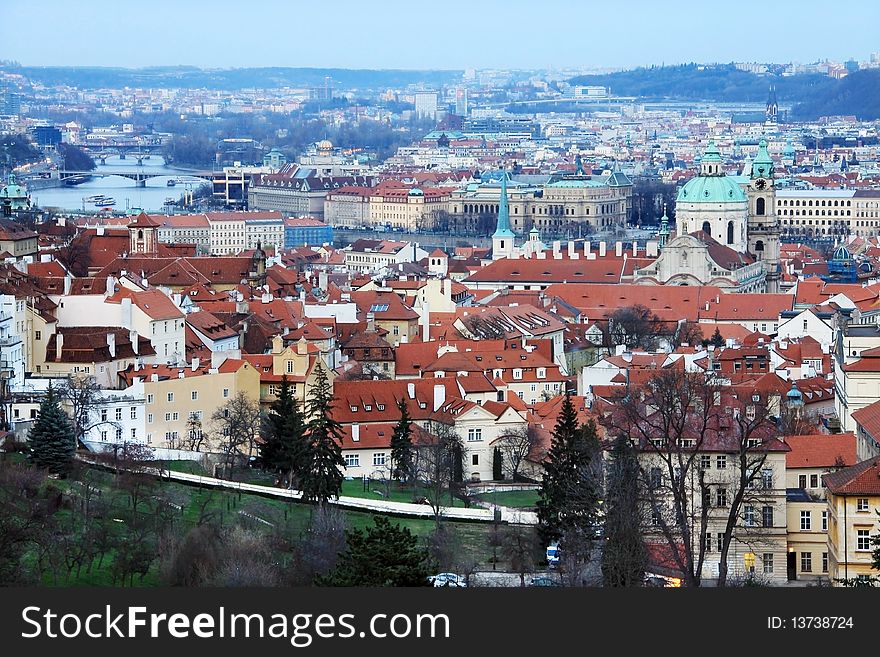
(447, 34)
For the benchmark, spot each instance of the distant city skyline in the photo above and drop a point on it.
(394, 34)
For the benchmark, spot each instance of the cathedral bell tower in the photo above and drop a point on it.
(763, 227)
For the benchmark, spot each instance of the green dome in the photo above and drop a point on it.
(711, 189)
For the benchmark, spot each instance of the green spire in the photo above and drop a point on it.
(762, 166)
(664, 228)
(502, 228)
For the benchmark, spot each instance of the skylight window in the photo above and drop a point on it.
(379, 308)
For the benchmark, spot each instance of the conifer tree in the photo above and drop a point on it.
(322, 462)
(381, 555)
(52, 440)
(401, 445)
(716, 340)
(284, 444)
(569, 497)
(624, 557)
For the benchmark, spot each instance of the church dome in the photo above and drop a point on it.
(712, 185)
(711, 189)
(325, 145)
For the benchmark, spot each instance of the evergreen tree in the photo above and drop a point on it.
(401, 445)
(382, 555)
(624, 557)
(52, 441)
(284, 446)
(497, 465)
(322, 462)
(568, 497)
(716, 339)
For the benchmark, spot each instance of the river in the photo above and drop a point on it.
(127, 195)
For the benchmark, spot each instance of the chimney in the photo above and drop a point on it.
(439, 395)
(602, 247)
(651, 249)
(180, 374)
(635, 248)
(59, 344)
(154, 378)
(355, 432)
(556, 249)
(618, 249)
(572, 251)
(68, 280)
(267, 298)
(195, 363)
(217, 359)
(371, 322)
(133, 338)
(411, 390)
(586, 248)
(111, 285)
(125, 310)
(111, 342)
(627, 356)
(99, 229)
(302, 346)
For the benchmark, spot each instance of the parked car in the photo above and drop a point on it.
(544, 581)
(447, 579)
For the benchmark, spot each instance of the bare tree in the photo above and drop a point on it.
(520, 548)
(438, 462)
(194, 436)
(237, 426)
(681, 422)
(669, 420)
(82, 398)
(633, 326)
(515, 447)
(685, 332)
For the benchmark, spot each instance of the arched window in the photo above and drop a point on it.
(707, 229)
(730, 232)
(759, 249)
(140, 234)
(759, 206)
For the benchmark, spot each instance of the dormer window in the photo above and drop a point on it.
(353, 409)
(423, 405)
(542, 373)
(368, 407)
(517, 373)
(381, 407)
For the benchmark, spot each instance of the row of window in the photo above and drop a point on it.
(194, 396)
(809, 203)
(119, 435)
(118, 414)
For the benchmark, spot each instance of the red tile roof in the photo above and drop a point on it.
(821, 451)
(860, 479)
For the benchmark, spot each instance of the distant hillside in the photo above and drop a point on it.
(858, 93)
(812, 95)
(228, 79)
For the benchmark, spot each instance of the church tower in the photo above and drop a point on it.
(771, 114)
(763, 229)
(502, 238)
(143, 235)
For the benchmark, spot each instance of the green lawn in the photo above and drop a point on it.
(520, 499)
(379, 490)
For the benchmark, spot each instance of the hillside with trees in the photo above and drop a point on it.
(812, 95)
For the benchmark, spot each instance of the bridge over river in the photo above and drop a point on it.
(139, 176)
